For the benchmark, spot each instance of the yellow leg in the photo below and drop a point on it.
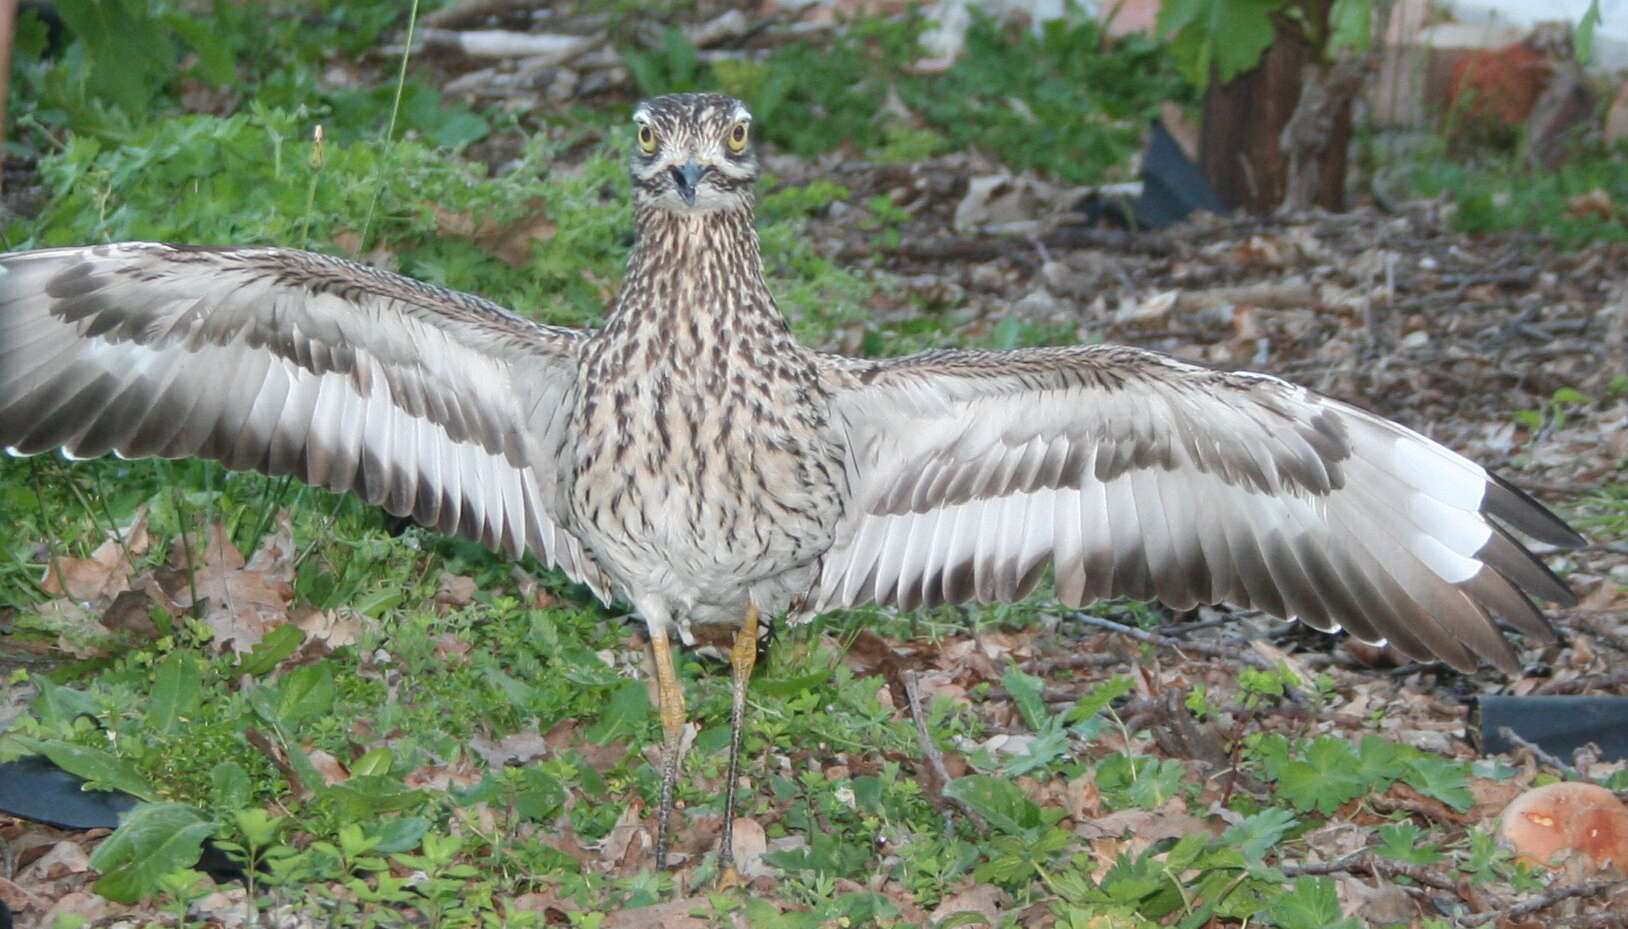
(741, 658)
(671, 697)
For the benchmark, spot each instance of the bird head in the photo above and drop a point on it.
(692, 153)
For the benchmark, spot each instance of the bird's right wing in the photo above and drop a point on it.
(427, 402)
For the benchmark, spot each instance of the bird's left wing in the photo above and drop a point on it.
(430, 403)
(1136, 474)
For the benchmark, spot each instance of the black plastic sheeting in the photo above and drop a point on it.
(33, 788)
(1172, 189)
(1558, 725)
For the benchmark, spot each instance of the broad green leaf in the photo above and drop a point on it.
(304, 693)
(377, 761)
(516, 692)
(362, 798)
(154, 841)
(789, 686)
(1026, 690)
(1046, 747)
(58, 705)
(374, 604)
(1408, 843)
(1311, 904)
(867, 794)
(541, 796)
(398, 834)
(1230, 35)
(1097, 698)
(258, 826)
(277, 644)
(1003, 804)
(215, 64)
(100, 769)
(1330, 775)
(127, 57)
(624, 716)
(176, 689)
(1350, 25)
(232, 789)
(1440, 779)
(1258, 834)
(1585, 32)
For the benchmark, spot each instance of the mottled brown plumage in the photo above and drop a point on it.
(691, 457)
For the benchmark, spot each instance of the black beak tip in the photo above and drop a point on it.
(686, 178)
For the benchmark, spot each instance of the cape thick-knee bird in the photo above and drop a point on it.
(691, 457)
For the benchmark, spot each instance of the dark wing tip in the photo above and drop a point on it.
(1517, 508)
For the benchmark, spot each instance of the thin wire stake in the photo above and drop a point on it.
(390, 130)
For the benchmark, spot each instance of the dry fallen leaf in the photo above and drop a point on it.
(986, 900)
(331, 626)
(97, 579)
(63, 859)
(750, 843)
(332, 771)
(455, 590)
(674, 914)
(515, 748)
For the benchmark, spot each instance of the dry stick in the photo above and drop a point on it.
(1544, 901)
(1040, 667)
(1537, 752)
(935, 758)
(1611, 920)
(1368, 863)
(1164, 641)
(8, 31)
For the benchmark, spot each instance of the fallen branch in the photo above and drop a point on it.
(1544, 901)
(935, 758)
(1537, 751)
(1369, 863)
(1234, 650)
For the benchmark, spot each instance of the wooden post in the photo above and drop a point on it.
(8, 32)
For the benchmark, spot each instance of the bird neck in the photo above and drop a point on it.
(695, 279)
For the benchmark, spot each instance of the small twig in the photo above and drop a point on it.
(1227, 650)
(1040, 667)
(1543, 901)
(1617, 919)
(1369, 863)
(935, 758)
(1537, 751)
(1182, 630)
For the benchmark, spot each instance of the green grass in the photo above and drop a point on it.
(1501, 194)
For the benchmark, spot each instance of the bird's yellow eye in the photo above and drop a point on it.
(647, 140)
(737, 139)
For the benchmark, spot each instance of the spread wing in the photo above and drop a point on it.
(430, 403)
(1135, 474)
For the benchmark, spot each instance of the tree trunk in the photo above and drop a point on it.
(1240, 147)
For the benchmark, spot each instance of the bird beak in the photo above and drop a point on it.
(687, 177)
